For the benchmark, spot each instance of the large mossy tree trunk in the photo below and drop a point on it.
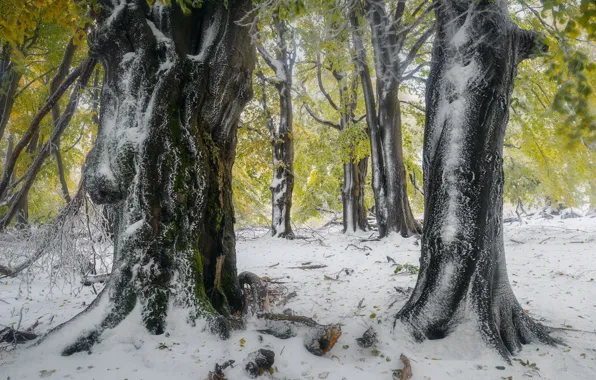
(175, 84)
(463, 273)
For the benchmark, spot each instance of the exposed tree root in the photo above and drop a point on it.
(514, 328)
(506, 327)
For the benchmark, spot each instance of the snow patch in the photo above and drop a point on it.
(187, 352)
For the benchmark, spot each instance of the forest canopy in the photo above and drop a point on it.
(549, 149)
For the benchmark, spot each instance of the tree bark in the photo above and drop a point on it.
(174, 86)
(354, 209)
(9, 149)
(61, 173)
(9, 81)
(392, 207)
(463, 273)
(282, 141)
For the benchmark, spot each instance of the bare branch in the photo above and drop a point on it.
(410, 74)
(86, 69)
(322, 121)
(34, 126)
(417, 45)
(403, 33)
(321, 87)
(413, 105)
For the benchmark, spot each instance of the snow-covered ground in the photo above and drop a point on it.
(551, 263)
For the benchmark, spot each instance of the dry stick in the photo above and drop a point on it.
(306, 321)
(309, 267)
(568, 329)
(87, 68)
(35, 123)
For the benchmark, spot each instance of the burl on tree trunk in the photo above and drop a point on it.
(174, 87)
(463, 273)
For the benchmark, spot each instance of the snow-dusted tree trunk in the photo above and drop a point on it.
(354, 209)
(392, 206)
(174, 87)
(282, 141)
(463, 275)
(355, 169)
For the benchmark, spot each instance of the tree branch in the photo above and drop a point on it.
(321, 87)
(86, 69)
(34, 126)
(403, 34)
(358, 120)
(413, 105)
(61, 174)
(529, 44)
(410, 74)
(417, 45)
(322, 121)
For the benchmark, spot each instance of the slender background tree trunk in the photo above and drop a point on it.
(9, 81)
(282, 143)
(383, 114)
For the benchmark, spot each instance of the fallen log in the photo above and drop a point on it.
(93, 279)
(319, 339)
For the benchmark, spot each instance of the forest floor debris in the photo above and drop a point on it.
(370, 298)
